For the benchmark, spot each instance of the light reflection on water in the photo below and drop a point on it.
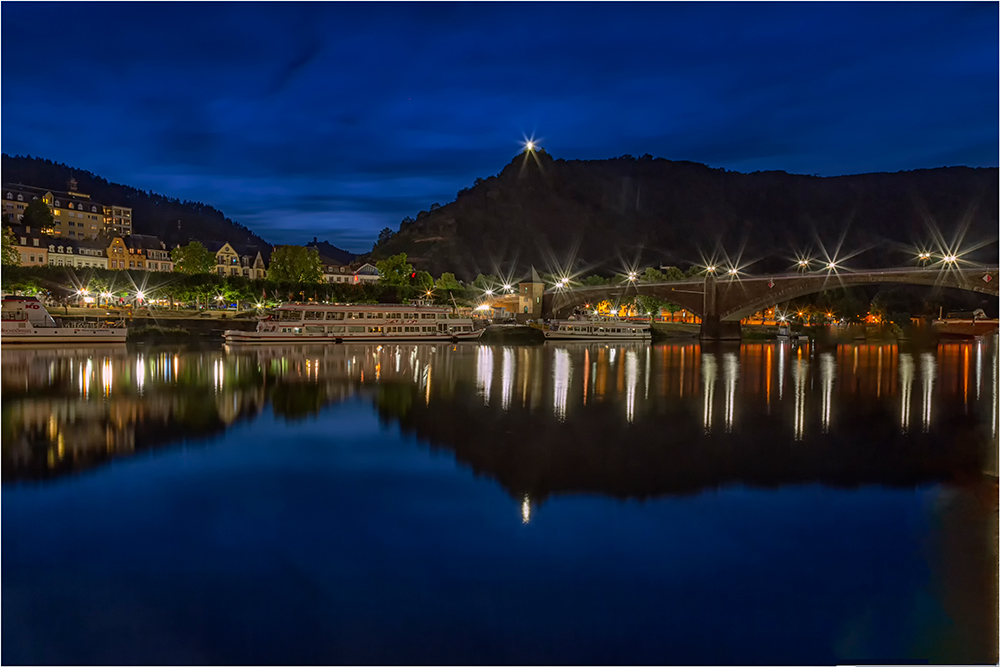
(234, 384)
(574, 477)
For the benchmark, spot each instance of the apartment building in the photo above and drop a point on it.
(75, 215)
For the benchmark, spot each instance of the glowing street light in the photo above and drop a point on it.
(950, 259)
(508, 288)
(489, 292)
(803, 262)
(140, 296)
(831, 265)
(614, 313)
(733, 272)
(633, 276)
(710, 269)
(924, 256)
(529, 145)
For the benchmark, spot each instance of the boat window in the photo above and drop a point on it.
(313, 315)
(355, 329)
(334, 315)
(427, 316)
(289, 315)
(335, 330)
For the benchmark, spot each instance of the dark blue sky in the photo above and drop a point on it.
(335, 120)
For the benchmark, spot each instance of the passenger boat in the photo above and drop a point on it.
(25, 320)
(597, 329)
(341, 323)
(964, 325)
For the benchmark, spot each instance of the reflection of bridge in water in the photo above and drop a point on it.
(628, 420)
(723, 301)
(640, 421)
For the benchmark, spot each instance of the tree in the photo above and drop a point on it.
(447, 281)
(394, 270)
(295, 263)
(384, 236)
(673, 273)
(11, 257)
(424, 281)
(488, 282)
(194, 258)
(652, 275)
(37, 215)
(595, 281)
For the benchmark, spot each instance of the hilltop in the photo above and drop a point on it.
(603, 213)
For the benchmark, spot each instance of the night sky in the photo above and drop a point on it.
(336, 120)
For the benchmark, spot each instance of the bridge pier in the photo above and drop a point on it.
(712, 328)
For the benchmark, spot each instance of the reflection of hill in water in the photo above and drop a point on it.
(538, 456)
(628, 421)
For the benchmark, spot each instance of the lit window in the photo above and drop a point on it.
(70, 204)
(10, 195)
(57, 203)
(20, 198)
(24, 241)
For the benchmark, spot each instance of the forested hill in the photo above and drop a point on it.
(654, 211)
(172, 220)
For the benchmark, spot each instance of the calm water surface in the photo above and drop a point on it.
(576, 503)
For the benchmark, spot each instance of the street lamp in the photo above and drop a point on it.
(831, 265)
(710, 269)
(733, 272)
(632, 276)
(950, 259)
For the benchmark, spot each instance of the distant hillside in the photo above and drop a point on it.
(326, 249)
(652, 211)
(172, 220)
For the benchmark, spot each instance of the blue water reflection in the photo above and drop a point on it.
(566, 504)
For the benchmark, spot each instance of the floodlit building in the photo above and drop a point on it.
(75, 215)
(232, 259)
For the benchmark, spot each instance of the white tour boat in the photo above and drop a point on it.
(597, 329)
(341, 323)
(25, 320)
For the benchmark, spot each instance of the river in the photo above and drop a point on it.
(569, 503)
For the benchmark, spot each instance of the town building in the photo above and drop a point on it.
(526, 302)
(150, 251)
(32, 245)
(335, 272)
(232, 259)
(366, 273)
(81, 253)
(118, 255)
(75, 215)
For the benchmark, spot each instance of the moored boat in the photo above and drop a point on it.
(597, 329)
(25, 320)
(341, 323)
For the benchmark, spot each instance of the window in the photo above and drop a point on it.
(34, 242)
(31, 258)
(94, 209)
(57, 203)
(131, 265)
(10, 195)
(24, 241)
(20, 198)
(72, 234)
(70, 204)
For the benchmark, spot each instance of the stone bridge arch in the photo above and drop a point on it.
(722, 303)
(736, 300)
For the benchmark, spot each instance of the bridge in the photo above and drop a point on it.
(722, 301)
